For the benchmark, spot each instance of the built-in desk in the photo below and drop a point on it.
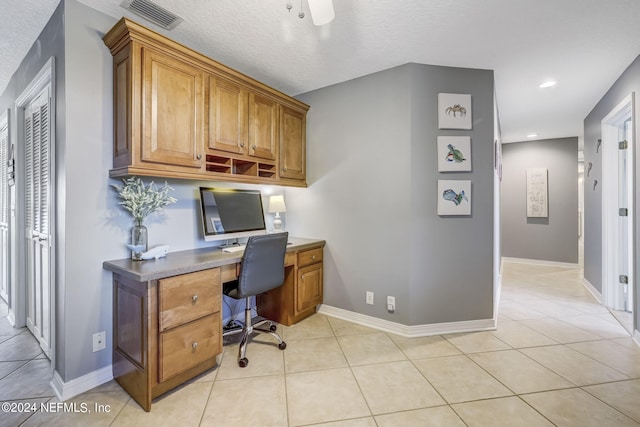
(167, 317)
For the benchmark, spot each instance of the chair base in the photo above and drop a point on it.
(250, 326)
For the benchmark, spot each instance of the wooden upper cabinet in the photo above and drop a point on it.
(263, 113)
(180, 114)
(292, 143)
(228, 121)
(173, 105)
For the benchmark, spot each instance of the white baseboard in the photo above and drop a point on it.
(592, 289)
(496, 298)
(11, 317)
(540, 262)
(69, 389)
(408, 331)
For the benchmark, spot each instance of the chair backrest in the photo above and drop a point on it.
(262, 267)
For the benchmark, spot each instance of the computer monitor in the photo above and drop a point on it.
(231, 214)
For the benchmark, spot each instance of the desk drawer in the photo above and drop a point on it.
(187, 297)
(189, 345)
(310, 256)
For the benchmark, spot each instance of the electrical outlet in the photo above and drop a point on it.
(99, 341)
(369, 299)
(391, 304)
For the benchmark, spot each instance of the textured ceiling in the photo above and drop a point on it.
(584, 44)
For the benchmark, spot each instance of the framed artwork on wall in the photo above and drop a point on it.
(454, 111)
(454, 153)
(537, 193)
(454, 197)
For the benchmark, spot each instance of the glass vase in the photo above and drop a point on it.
(138, 241)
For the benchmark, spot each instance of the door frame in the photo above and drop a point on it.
(610, 248)
(5, 118)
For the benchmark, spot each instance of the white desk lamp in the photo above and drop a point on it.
(276, 205)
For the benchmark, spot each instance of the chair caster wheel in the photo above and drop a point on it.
(282, 345)
(273, 328)
(243, 362)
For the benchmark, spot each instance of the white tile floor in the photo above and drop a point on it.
(557, 358)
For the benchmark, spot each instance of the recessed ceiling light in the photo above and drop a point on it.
(532, 135)
(548, 83)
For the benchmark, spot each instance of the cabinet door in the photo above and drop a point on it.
(173, 105)
(309, 289)
(262, 127)
(292, 143)
(228, 122)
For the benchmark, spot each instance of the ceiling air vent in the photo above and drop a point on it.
(152, 12)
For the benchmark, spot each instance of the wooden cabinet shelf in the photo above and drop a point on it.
(180, 114)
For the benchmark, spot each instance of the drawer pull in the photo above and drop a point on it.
(194, 346)
(313, 257)
(199, 156)
(194, 299)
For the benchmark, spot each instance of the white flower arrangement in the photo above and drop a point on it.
(141, 200)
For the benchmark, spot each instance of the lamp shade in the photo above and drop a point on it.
(321, 11)
(276, 204)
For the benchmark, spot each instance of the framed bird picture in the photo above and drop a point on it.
(454, 153)
(454, 111)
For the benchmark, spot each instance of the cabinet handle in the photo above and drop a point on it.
(254, 147)
(284, 169)
(313, 257)
(199, 156)
(194, 299)
(242, 144)
(194, 346)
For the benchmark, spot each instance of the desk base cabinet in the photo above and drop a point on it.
(301, 291)
(167, 316)
(165, 331)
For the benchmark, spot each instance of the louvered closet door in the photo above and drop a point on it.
(37, 198)
(4, 212)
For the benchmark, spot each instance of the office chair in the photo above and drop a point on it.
(261, 269)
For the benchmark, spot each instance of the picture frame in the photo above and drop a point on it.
(537, 193)
(454, 197)
(454, 153)
(454, 111)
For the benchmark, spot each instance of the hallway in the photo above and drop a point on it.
(557, 358)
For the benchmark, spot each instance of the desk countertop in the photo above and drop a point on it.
(188, 261)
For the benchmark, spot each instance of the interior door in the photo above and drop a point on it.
(4, 209)
(625, 262)
(618, 211)
(37, 131)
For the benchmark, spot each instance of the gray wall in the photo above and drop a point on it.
(91, 228)
(554, 238)
(372, 173)
(371, 194)
(49, 44)
(628, 82)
